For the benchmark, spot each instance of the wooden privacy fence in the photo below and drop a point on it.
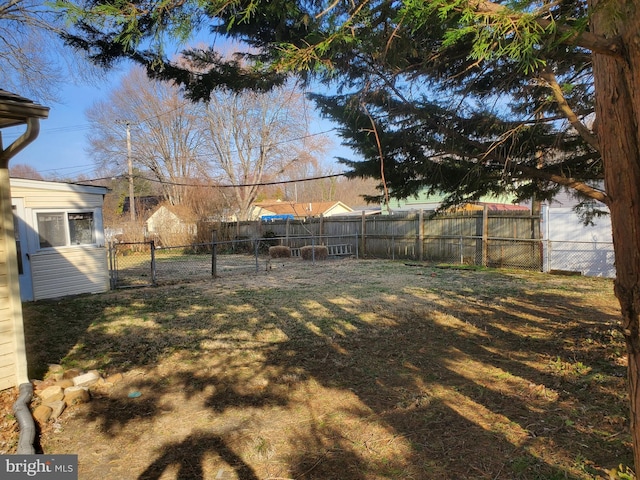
(489, 238)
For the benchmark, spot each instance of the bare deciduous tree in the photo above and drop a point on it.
(256, 137)
(20, 170)
(242, 139)
(164, 128)
(33, 59)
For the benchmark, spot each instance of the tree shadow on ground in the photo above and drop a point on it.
(433, 381)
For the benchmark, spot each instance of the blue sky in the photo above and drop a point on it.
(60, 150)
(61, 145)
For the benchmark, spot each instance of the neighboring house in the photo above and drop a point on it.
(422, 201)
(170, 221)
(60, 238)
(284, 209)
(360, 211)
(491, 207)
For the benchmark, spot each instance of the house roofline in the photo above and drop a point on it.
(58, 186)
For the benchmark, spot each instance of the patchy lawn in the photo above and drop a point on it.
(347, 370)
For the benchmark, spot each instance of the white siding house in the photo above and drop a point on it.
(15, 111)
(171, 220)
(60, 238)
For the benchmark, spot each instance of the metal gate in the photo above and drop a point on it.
(132, 264)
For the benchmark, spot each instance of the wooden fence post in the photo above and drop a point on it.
(364, 235)
(485, 236)
(214, 253)
(154, 278)
(421, 235)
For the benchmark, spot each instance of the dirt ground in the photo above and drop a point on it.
(8, 426)
(354, 370)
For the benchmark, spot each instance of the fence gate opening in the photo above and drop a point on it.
(132, 264)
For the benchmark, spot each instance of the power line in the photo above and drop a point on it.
(66, 168)
(261, 184)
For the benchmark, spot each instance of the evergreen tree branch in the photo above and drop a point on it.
(590, 41)
(568, 182)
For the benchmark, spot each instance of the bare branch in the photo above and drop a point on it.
(549, 77)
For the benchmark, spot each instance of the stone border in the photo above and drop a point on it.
(64, 388)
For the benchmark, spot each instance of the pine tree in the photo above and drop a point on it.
(466, 97)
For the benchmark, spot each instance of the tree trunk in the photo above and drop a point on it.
(617, 87)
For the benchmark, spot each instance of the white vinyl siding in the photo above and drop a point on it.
(55, 271)
(84, 270)
(570, 245)
(7, 340)
(70, 259)
(7, 349)
(56, 195)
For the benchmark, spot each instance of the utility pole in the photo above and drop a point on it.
(132, 203)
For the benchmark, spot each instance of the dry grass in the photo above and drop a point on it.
(279, 251)
(349, 370)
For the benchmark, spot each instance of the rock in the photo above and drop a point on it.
(42, 413)
(55, 372)
(55, 368)
(86, 380)
(66, 383)
(51, 394)
(115, 378)
(100, 387)
(72, 373)
(40, 385)
(57, 408)
(76, 395)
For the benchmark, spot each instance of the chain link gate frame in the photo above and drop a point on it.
(132, 264)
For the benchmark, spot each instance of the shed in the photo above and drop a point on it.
(60, 238)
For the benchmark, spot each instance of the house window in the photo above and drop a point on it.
(60, 229)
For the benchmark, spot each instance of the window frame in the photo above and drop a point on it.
(66, 212)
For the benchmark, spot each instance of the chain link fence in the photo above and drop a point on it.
(593, 259)
(141, 264)
(144, 264)
(498, 240)
(131, 264)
